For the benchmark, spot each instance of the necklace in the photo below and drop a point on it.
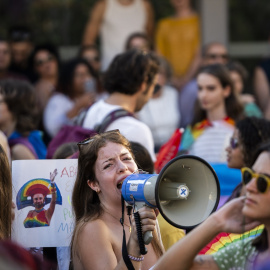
(39, 210)
(118, 220)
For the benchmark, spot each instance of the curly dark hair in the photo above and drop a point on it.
(233, 107)
(252, 131)
(65, 83)
(129, 70)
(21, 100)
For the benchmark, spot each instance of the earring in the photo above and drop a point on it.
(98, 191)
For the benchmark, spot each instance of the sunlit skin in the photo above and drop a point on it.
(256, 202)
(212, 95)
(235, 157)
(113, 165)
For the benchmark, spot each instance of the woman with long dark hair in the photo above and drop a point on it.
(216, 112)
(19, 120)
(104, 162)
(238, 216)
(75, 91)
(45, 64)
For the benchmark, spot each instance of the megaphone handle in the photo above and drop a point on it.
(147, 238)
(143, 249)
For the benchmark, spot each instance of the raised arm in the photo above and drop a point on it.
(261, 88)
(149, 28)
(94, 22)
(50, 210)
(182, 255)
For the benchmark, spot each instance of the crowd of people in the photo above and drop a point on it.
(129, 95)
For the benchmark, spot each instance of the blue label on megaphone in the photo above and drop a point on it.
(133, 187)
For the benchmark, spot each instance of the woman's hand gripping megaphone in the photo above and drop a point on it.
(143, 212)
(143, 224)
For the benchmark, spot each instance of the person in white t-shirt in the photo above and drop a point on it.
(130, 82)
(217, 110)
(162, 113)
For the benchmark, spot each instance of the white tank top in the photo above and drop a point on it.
(118, 23)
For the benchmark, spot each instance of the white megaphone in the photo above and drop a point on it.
(185, 192)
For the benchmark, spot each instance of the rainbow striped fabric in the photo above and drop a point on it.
(224, 239)
(39, 220)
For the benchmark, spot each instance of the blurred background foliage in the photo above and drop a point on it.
(62, 21)
(249, 20)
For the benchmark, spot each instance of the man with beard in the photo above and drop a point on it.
(41, 217)
(130, 81)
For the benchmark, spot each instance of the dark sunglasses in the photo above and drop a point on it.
(40, 62)
(88, 140)
(262, 181)
(234, 143)
(215, 56)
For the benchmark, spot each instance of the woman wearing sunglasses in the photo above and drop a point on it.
(249, 133)
(239, 215)
(45, 65)
(104, 162)
(216, 112)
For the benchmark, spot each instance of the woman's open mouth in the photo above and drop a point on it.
(119, 185)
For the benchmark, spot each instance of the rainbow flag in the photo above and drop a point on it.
(224, 239)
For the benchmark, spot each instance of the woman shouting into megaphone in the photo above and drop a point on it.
(105, 160)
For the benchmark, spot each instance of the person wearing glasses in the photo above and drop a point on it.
(239, 215)
(45, 64)
(105, 160)
(216, 112)
(249, 133)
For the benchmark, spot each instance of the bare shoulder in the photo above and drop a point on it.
(20, 151)
(204, 262)
(94, 238)
(95, 228)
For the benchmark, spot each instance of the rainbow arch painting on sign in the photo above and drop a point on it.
(37, 185)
